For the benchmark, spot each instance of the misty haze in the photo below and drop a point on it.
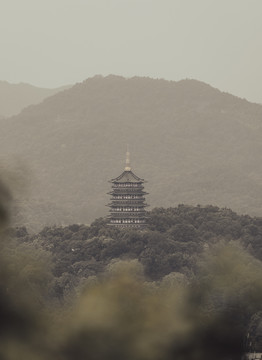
(105, 107)
(193, 143)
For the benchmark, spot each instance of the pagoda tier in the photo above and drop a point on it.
(123, 192)
(115, 204)
(127, 206)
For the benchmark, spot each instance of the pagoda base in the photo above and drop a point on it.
(134, 226)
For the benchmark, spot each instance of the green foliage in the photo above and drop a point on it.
(185, 288)
(173, 242)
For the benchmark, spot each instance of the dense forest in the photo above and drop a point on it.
(194, 274)
(173, 241)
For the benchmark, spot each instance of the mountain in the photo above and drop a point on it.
(193, 144)
(15, 97)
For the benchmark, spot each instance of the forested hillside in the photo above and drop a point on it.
(189, 284)
(172, 244)
(193, 143)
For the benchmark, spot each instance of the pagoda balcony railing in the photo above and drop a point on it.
(127, 213)
(128, 191)
(122, 214)
(127, 197)
(131, 202)
(131, 218)
(133, 226)
(141, 209)
(138, 226)
(126, 207)
(128, 221)
(127, 186)
(142, 220)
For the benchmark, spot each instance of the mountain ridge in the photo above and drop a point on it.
(15, 97)
(193, 143)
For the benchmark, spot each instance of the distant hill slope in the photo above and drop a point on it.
(193, 143)
(15, 97)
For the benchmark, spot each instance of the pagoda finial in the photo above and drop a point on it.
(127, 168)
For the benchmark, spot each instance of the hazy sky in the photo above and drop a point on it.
(56, 42)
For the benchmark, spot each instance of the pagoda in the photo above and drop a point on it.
(127, 206)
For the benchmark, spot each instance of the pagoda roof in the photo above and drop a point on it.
(127, 176)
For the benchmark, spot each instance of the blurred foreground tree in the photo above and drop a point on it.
(120, 314)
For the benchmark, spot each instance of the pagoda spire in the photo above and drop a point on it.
(127, 167)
